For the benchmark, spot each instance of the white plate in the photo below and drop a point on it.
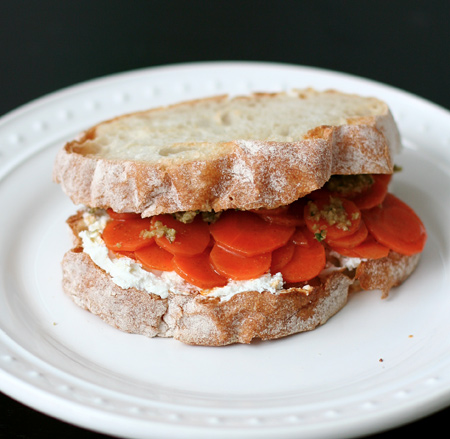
(375, 365)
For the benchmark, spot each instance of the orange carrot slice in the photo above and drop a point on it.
(130, 255)
(271, 212)
(318, 194)
(197, 270)
(286, 219)
(383, 178)
(248, 234)
(332, 217)
(237, 267)
(300, 236)
(281, 256)
(351, 241)
(123, 216)
(376, 193)
(369, 249)
(190, 239)
(297, 208)
(126, 235)
(395, 225)
(366, 198)
(290, 215)
(307, 261)
(153, 257)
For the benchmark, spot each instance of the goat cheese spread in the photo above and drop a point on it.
(127, 273)
(346, 262)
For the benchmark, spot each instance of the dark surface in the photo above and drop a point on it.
(49, 44)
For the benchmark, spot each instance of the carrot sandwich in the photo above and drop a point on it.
(224, 220)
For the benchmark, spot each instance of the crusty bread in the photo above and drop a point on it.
(201, 320)
(263, 150)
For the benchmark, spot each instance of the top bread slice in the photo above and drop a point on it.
(262, 150)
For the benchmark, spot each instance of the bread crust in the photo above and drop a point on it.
(386, 273)
(193, 318)
(199, 320)
(245, 174)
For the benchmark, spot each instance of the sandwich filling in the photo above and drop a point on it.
(128, 272)
(219, 254)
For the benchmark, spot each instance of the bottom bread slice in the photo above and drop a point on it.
(201, 320)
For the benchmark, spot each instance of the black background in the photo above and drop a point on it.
(49, 44)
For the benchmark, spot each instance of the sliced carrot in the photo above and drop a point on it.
(248, 234)
(350, 241)
(395, 225)
(153, 257)
(384, 178)
(126, 235)
(369, 249)
(271, 212)
(198, 271)
(299, 237)
(375, 194)
(123, 216)
(307, 261)
(286, 219)
(237, 267)
(366, 198)
(332, 217)
(318, 194)
(297, 208)
(289, 215)
(130, 255)
(190, 239)
(281, 256)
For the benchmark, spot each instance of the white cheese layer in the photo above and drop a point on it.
(127, 273)
(346, 262)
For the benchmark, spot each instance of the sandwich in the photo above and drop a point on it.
(228, 219)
